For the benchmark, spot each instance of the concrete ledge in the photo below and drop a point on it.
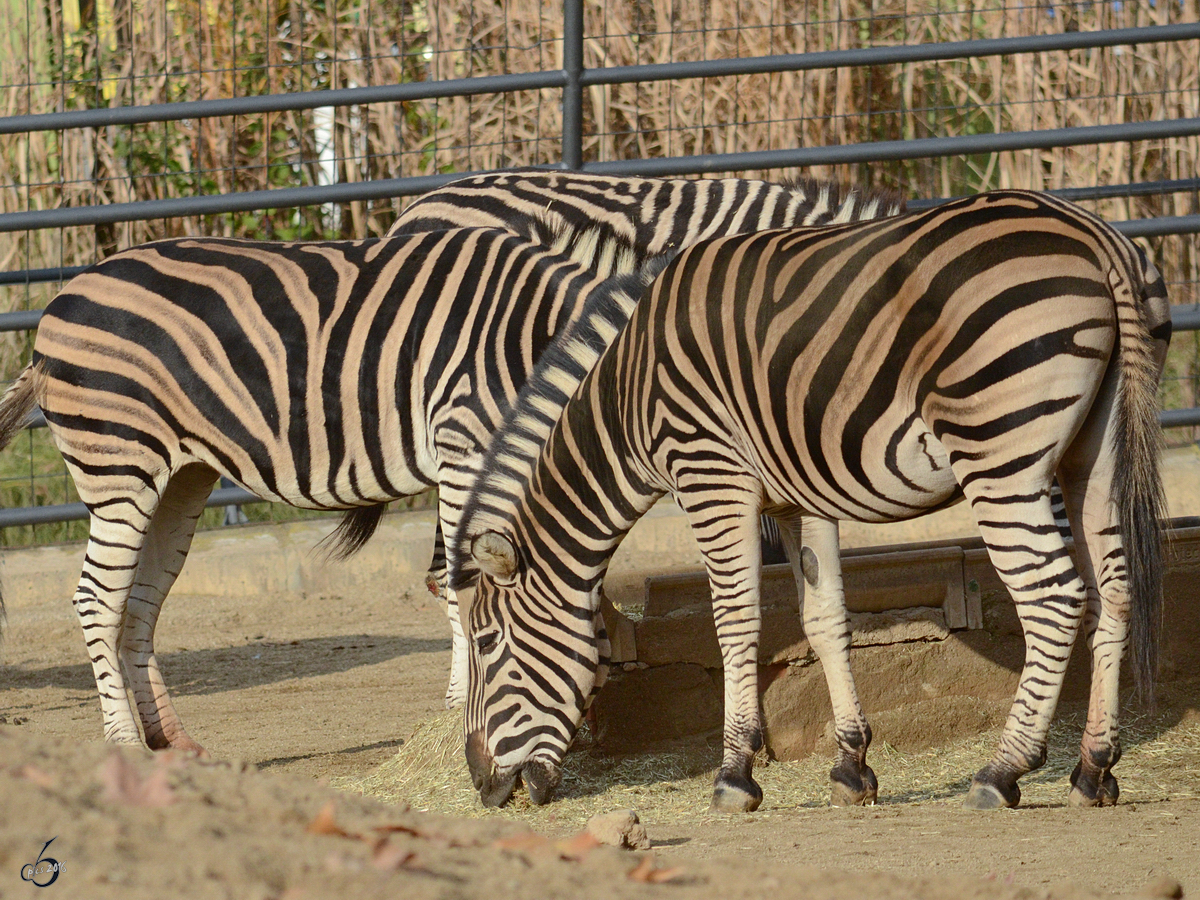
(247, 561)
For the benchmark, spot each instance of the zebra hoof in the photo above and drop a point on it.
(180, 741)
(988, 796)
(1088, 793)
(847, 793)
(735, 794)
(187, 746)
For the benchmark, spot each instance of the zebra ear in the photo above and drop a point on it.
(495, 554)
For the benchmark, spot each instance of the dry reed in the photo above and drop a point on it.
(70, 54)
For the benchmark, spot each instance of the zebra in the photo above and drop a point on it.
(331, 375)
(868, 372)
(627, 222)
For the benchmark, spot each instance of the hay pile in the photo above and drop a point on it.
(1161, 760)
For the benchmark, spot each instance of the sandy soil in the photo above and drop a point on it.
(287, 694)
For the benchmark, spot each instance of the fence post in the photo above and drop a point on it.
(572, 97)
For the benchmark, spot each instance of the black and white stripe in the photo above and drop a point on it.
(867, 372)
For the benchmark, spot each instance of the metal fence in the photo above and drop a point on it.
(115, 136)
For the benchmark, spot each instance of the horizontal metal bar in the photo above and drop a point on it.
(884, 56)
(21, 320)
(1139, 189)
(39, 276)
(1179, 418)
(1185, 317)
(877, 151)
(215, 204)
(264, 103)
(880, 151)
(71, 512)
(1159, 226)
(554, 79)
(1101, 192)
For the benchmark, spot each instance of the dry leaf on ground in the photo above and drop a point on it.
(647, 872)
(325, 823)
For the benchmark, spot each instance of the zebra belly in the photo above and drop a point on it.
(881, 479)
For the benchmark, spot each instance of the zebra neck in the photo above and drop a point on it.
(588, 486)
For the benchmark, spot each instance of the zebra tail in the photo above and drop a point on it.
(352, 532)
(16, 405)
(1141, 502)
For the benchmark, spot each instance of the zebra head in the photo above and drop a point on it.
(537, 657)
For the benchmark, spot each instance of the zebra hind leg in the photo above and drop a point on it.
(117, 530)
(812, 547)
(1087, 473)
(166, 545)
(1030, 556)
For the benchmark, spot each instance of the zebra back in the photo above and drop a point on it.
(315, 373)
(650, 216)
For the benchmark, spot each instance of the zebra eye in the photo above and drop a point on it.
(485, 643)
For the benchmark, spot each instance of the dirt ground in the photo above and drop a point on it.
(288, 694)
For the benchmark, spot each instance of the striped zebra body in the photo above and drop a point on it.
(334, 375)
(618, 225)
(867, 372)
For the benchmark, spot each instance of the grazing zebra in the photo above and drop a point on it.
(625, 222)
(327, 375)
(868, 372)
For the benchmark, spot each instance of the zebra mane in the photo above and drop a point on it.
(598, 248)
(843, 203)
(561, 368)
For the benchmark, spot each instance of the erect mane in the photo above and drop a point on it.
(559, 371)
(840, 203)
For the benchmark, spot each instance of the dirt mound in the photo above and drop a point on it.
(123, 823)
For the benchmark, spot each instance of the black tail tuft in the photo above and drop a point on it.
(352, 532)
(16, 405)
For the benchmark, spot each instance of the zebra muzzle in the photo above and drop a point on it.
(494, 785)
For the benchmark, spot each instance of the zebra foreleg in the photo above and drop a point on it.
(456, 690)
(164, 551)
(437, 581)
(1029, 555)
(726, 526)
(450, 500)
(436, 577)
(812, 547)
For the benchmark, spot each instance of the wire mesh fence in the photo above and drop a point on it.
(342, 106)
